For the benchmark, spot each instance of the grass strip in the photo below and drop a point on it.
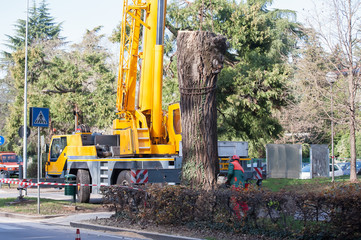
(47, 206)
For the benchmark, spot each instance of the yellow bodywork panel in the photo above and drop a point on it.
(123, 160)
(224, 162)
(157, 114)
(121, 124)
(81, 151)
(162, 149)
(174, 125)
(126, 140)
(56, 168)
(146, 93)
(74, 140)
(64, 145)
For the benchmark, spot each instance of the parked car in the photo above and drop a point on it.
(358, 169)
(344, 166)
(305, 173)
(337, 170)
(304, 164)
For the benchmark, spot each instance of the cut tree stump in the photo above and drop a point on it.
(200, 57)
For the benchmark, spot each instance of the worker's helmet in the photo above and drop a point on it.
(235, 157)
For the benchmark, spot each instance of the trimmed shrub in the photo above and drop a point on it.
(333, 213)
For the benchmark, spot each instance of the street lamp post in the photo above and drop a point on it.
(331, 79)
(25, 161)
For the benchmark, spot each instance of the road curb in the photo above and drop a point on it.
(23, 216)
(151, 235)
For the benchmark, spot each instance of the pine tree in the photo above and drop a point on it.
(41, 27)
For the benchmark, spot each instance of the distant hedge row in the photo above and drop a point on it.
(333, 213)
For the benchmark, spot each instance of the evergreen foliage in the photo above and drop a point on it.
(41, 27)
(78, 78)
(253, 83)
(342, 146)
(64, 81)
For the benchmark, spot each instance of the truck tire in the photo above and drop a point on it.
(83, 177)
(124, 178)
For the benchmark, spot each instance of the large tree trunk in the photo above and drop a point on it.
(200, 57)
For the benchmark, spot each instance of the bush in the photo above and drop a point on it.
(329, 214)
(32, 171)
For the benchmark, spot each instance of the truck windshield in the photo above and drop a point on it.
(9, 158)
(57, 147)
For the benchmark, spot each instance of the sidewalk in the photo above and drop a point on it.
(50, 193)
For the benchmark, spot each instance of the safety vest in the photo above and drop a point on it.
(235, 174)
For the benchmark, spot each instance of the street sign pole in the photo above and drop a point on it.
(42, 150)
(39, 117)
(38, 170)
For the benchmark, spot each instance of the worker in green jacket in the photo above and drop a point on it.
(235, 174)
(235, 177)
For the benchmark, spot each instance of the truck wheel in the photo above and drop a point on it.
(83, 177)
(124, 178)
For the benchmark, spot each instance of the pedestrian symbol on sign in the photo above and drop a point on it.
(40, 119)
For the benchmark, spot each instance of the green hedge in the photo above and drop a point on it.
(332, 213)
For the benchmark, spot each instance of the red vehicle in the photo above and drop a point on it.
(9, 162)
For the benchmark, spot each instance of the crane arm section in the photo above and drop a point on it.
(129, 53)
(143, 122)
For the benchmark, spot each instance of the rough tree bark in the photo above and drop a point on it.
(200, 57)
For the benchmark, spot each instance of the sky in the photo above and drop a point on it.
(78, 15)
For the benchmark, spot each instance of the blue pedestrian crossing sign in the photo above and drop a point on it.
(2, 140)
(39, 117)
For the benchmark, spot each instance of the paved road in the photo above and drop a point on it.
(14, 229)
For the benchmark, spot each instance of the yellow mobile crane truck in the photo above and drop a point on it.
(145, 143)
